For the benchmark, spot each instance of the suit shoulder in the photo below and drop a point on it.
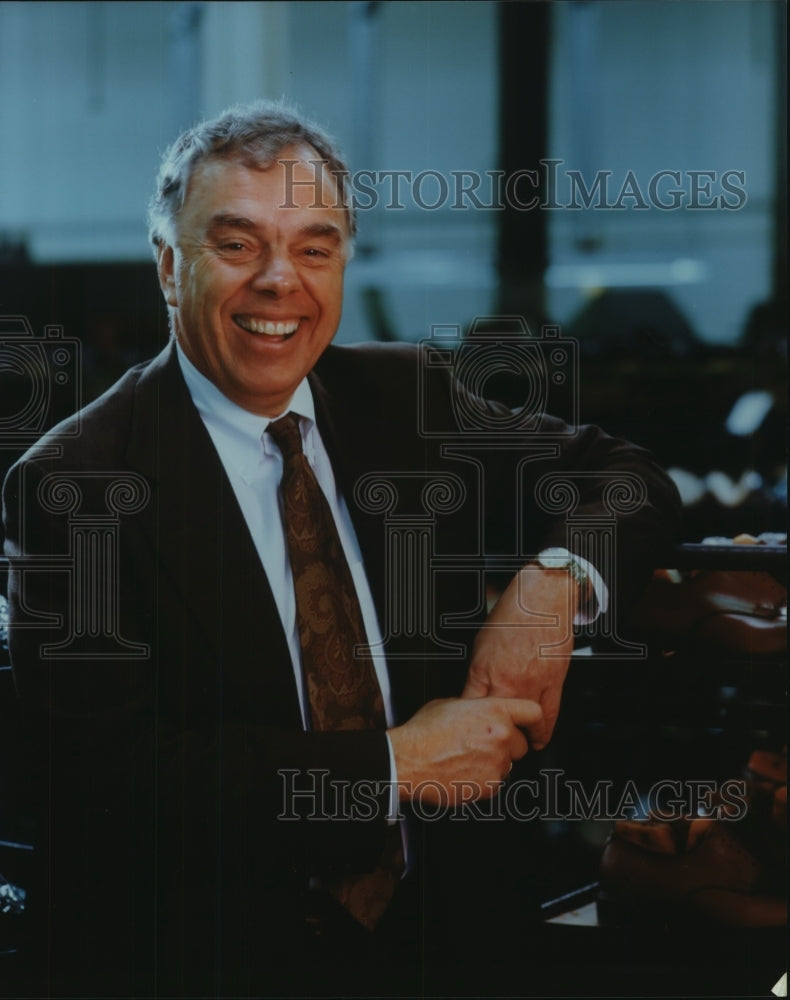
(371, 373)
(386, 376)
(369, 357)
(92, 430)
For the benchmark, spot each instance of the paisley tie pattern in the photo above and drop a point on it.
(342, 690)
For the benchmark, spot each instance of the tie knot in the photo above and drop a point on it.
(287, 435)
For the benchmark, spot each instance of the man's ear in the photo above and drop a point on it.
(165, 266)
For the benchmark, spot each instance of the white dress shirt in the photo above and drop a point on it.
(254, 466)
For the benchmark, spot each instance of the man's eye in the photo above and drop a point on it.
(233, 246)
(314, 252)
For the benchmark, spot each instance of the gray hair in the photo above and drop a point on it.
(255, 133)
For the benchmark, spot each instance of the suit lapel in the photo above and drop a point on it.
(351, 443)
(359, 444)
(203, 544)
(365, 433)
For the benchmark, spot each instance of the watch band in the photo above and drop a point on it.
(558, 558)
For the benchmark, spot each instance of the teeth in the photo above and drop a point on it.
(266, 327)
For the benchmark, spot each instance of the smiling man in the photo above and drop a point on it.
(201, 592)
(255, 288)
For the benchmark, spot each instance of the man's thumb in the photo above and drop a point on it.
(475, 687)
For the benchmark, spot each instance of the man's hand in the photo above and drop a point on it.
(457, 750)
(507, 661)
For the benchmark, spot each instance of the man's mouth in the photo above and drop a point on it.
(282, 329)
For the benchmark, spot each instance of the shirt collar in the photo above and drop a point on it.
(236, 426)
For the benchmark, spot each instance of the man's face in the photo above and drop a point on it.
(255, 289)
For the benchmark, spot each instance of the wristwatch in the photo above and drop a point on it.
(557, 558)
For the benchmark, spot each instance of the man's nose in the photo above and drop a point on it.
(275, 275)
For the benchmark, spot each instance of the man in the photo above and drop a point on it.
(220, 795)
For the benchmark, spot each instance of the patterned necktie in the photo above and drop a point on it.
(340, 680)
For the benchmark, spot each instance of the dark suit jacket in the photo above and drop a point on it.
(162, 689)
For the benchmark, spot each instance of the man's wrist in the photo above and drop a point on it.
(593, 595)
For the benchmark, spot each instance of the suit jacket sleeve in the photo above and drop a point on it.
(530, 480)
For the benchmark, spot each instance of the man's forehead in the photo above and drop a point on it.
(295, 177)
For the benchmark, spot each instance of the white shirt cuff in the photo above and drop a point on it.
(598, 601)
(394, 803)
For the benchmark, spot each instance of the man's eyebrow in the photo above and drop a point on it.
(323, 229)
(224, 220)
